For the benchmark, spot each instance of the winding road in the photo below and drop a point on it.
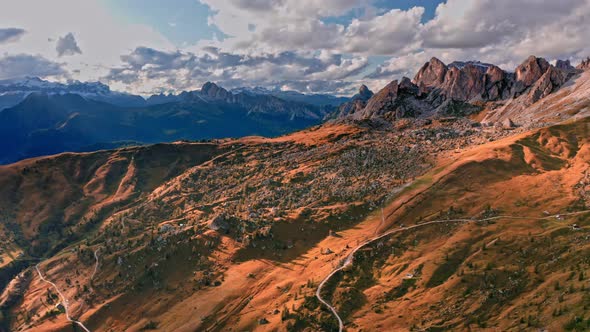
(96, 265)
(62, 296)
(349, 258)
(63, 299)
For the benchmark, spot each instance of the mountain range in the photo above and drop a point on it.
(464, 88)
(49, 118)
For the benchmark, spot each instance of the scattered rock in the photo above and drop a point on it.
(508, 124)
(219, 223)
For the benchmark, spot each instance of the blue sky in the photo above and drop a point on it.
(327, 46)
(182, 21)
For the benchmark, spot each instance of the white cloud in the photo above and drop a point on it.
(146, 70)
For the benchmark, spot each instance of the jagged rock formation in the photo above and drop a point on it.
(215, 92)
(462, 88)
(564, 65)
(431, 75)
(394, 101)
(356, 103)
(529, 72)
(584, 65)
(552, 79)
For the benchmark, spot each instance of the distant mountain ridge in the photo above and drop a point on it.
(13, 91)
(312, 99)
(54, 120)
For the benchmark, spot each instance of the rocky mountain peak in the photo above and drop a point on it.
(406, 84)
(564, 65)
(529, 72)
(464, 84)
(381, 101)
(551, 80)
(365, 92)
(213, 91)
(431, 75)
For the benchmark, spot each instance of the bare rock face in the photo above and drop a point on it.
(365, 93)
(564, 65)
(431, 75)
(529, 72)
(464, 84)
(552, 80)
(356, 104)
(459, 88)
(382, 101)
(497, 84)
(406, 85)
(584, 65)
(215, 92)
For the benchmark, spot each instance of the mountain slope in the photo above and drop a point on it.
(515, 272)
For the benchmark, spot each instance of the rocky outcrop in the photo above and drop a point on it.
(406, 85)
(551, 80)
(529, 72)
(564, 65)
(460, 88)
(584, 65)
(214, 92)
(464, 84)
(431, 75)
(382, 101)
(219, 223)
(395, 101)
(356, 104)
(508, 124)
(498, 84)
(364, 93)
(463, 81)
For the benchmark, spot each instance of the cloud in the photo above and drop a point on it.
(99, 33)
(67, 45)
(17, 66)
(480, 23)
(394, 32)
(148, 69)
(8, 35)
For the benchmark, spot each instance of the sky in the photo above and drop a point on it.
(312, 46)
